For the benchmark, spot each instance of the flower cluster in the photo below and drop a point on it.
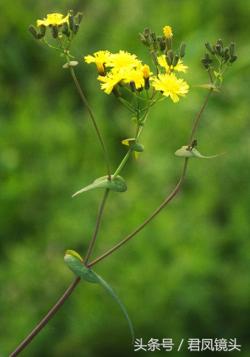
(119, 68)
(59, 24)
(217, 58)
(125, 69)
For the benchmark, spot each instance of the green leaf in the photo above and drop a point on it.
(75, 263)
(186, 151)
(109, 289)
(116, 184)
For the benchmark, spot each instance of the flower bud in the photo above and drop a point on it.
(72, 24)
(170, 57)
(65, 30)
(54, 31)
(161, 42)
(233, 58)
(33, 31)
(209, 48)
(175, 60)
(79, 17)
(232, 48)
(182, 50)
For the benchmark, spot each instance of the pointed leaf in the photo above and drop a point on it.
(185, 151)
(75, 263)
(109, 289)
(116, 184)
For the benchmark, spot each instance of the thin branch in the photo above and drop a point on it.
(98, 222)
(148, 220)
(91, 114)
(198, 117)
(167, 199)
(46, 318)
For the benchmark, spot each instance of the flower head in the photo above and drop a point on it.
(100, 58)
(179, 67)
(54, 19)
(167, 31)
(170, 86)
(110, 81)
(122, 59)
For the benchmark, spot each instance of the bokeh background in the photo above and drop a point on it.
(187, 274)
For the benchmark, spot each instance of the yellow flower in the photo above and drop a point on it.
(167, 31)
(54, 19)
(100, 58)
(170, 86)
(110, 81)
(122, 59)
(180, 67)
(133, 75)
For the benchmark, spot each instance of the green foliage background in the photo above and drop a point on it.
(187, 274)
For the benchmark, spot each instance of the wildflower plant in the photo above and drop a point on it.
(138, 87)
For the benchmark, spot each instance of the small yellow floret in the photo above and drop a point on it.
(167, 31)
(54, 19)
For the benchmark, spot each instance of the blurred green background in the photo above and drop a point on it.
(187, 274)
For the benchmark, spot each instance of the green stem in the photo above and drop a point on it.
(46, 318)
(198, 118)
(167, 200)
(147, 221)
(97, 227)
(91, 114)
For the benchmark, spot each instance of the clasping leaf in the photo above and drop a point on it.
(186, 151)
(116, 183)
(75, 263)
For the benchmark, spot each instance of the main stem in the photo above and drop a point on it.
(46, 318)
(91, 114)
(72, 286)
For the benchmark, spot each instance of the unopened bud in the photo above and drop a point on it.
(209, 48)
(175, 60)
(65, 30)
(232, 48)
(72, 24)
(182, 50)
(170, 57)
(79, 17)
(33, 31)
(233, 58)
(54, 31)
